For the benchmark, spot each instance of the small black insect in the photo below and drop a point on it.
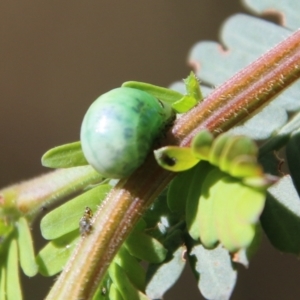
(85, 223)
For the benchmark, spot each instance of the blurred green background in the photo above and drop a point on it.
(56, 57)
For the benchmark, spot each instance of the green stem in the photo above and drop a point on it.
(234, 101)
(29, 198)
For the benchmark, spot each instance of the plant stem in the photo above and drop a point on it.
(234, 101)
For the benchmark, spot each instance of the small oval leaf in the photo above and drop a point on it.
(131, 266)
(65, 218)
(158, 92)
(145, 247)
(175, 159)
(26, 251)
(122, 282)
(13, 285)
(64, 156)
(184, 104)
(53, 257)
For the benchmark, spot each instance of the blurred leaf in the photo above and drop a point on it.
(66, 217)
(193, 192)
(6, 229)
(166, 274)
(26, 251)
(201, 144)
(217, 148)
(244, 166)
(13, 285)
(64, 156)
(244, 39)
(288, 9)
(53, 257)
(243, 255)
(123, 284)
(217, 275)
(3, 283)
(132, 268)
(236, 147)
(228, 211)
(281, 216)
(145, 247)
(175, 159)
(262, 125)
(158, 92)
(102, 292)
(281, 137)
(178, 190)
(293, 159)
(158, 216)
(114, 293)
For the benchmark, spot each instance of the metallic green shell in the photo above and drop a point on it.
(119, 129)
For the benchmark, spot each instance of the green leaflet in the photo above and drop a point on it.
(217, 148)
(145, 247)
(184, 104)
(65, 218)
(114, 293)
(217, 277)
(175, 159)
(53, 257)
(13, 286)
(123, 284)
(193, 194)
(180, 103)
(201, 144)
(177, 191)
(3, 283)
(192, 87)
(235, 147)
(228, 211)
(158, 92)
(131, 266)
(103, 290)
(64, 156)
(244, 255)
(26, 251)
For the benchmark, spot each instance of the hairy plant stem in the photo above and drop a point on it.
(234, 101)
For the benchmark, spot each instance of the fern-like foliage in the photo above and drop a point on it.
(212, 213)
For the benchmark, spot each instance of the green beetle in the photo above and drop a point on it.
(120, 128)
